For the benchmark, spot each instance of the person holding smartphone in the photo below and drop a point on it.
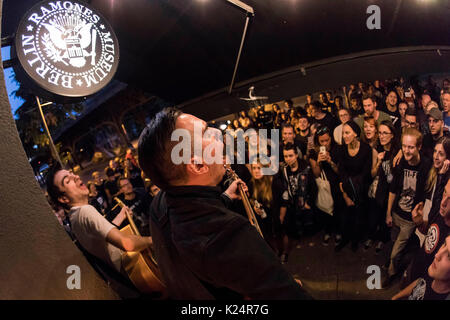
(325, 160)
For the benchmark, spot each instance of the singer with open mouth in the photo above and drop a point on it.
(204, 250)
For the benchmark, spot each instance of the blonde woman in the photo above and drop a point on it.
(261, 197)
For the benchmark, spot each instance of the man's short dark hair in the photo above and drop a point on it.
(52, 189)
(285, 125)
(155, 148)
(410, 112)
(369, 96)
(303, 115)
(109, 172)
(290, 146)
(121, 178)
(316, 106)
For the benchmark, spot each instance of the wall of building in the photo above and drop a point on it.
(35, 251)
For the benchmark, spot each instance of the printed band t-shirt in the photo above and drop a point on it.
(408, 185)
(423, 290)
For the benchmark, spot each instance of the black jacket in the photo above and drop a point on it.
(206, 251)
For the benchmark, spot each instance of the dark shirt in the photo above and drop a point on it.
(298, 187)
(136, 178)
(140, 206)
(408, 185)
(328, 121)
(384, 176)
(206, 251)
(423, 290)
(354, 171)
(355, 113)
(331, 175)
(98, 202)
(302, 142)
(111, 186)
(101, 189)
(394, 115)
(438, 230)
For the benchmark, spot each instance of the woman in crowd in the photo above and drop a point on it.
(354, 165)
(370, 132)
(261, 197)
(440, 155)
(344, 116)
(379, 189)
(323, 159)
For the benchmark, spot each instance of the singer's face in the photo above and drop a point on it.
(211, 143)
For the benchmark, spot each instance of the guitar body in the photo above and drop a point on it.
(142, 269)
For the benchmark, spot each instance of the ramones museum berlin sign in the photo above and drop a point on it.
(67, 48)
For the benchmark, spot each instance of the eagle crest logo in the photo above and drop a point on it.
(68, 39)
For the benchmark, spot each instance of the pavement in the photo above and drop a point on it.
(330, 275)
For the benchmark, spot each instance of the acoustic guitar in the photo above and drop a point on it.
(141, 267)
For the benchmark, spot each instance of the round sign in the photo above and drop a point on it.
(67, 48)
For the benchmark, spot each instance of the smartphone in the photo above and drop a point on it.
(323, 149)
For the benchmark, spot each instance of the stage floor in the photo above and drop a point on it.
(328, 275)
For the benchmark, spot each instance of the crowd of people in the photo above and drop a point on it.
(370, 168)
(369, 172)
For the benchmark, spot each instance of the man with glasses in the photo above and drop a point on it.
(411, 118)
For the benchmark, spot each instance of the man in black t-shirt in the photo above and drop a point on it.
(304, 133)
(298, 194)
(435, 285)
(390, 107)
(405, 191)
(138, 201)
(324, 119)
(436, 228)
(111, 189)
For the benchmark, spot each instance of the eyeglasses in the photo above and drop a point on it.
(383, 133)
